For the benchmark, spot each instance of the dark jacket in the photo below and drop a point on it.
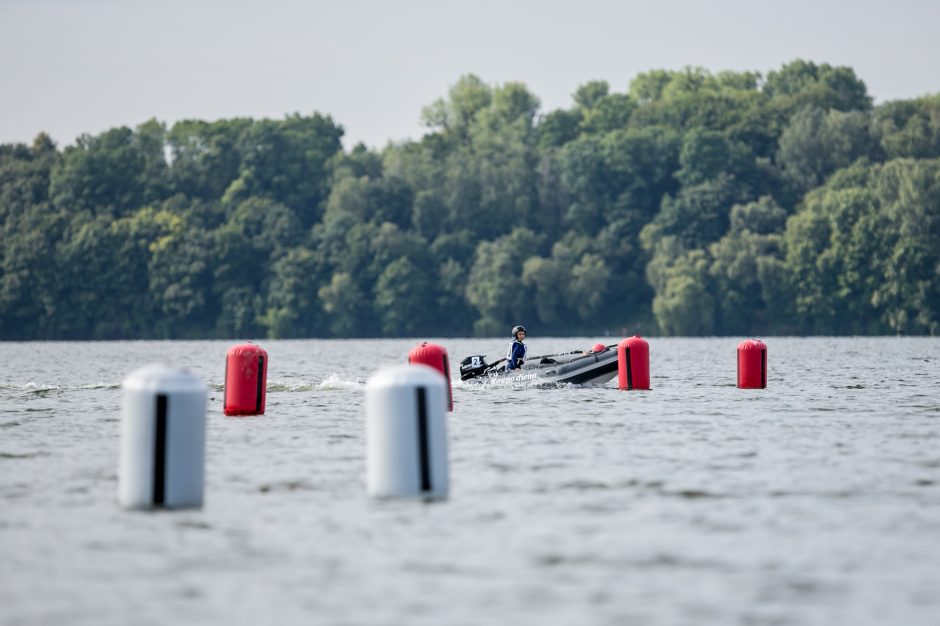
(516, 355)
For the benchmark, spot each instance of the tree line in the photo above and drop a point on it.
(693, 203)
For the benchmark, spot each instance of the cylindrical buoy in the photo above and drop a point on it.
(163, 439)
(752, 364)
(633, 363)
(246, 379)
(406, 433)
(434, 356)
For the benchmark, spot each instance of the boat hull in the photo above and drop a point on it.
(568, 369)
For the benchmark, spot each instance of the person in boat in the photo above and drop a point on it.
(516, 356)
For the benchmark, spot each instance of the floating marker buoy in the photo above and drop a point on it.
(633, 363)
(246, 379)
(163, 439)
(406, 433)
(434, 356)
(752, 364)
(598, 347)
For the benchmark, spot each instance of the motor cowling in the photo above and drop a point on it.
(473, 366)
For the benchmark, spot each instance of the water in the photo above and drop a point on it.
(815, 501)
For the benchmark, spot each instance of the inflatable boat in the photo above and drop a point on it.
(590, 367)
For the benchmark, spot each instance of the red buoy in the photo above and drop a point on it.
(246, 378)
(435, 356)
(598, 347)
(633, 363)
(752, 364)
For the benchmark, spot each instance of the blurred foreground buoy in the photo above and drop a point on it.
(163, 439)
(434, 356)
(246, 378)
(752, 364)
(406, 433)
(633, 363)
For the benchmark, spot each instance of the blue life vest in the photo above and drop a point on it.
(516, 355)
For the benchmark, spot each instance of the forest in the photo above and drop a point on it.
(691, 203)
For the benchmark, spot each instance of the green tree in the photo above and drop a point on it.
(910, 128)
(706, 155)
(685, 305)
(588, 285)
(181, 270)
(495, 288)
(113, 173)
(700, 202)
(907, 285)
(823, 253)
(455, 115)
(816, 144)
(404, 299)
(293, 306)
(542, 279)
(698, 215)
(742, 269)
(288, 162)
(557, 128)
(804, 83)
(205, 156)
(24, 177)
(346, 306)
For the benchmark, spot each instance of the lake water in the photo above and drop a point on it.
(815, 501)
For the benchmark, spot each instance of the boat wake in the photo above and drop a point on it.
(47, 389)
(331, 383)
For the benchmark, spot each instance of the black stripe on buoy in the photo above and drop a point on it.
(260, 383)
(629, 369)
(159, 453)
(763, 369)
(424, 453)
(450, 393)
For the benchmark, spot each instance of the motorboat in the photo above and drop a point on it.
(579, 367)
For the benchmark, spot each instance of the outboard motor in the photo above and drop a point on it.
(473, 366)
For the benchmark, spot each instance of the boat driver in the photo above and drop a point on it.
(516, 355)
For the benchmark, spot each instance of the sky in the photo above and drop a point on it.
(69, 67)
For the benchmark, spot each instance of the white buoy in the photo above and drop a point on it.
(406, 433)
(163, 439)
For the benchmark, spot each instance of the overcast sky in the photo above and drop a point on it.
(82, 66)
